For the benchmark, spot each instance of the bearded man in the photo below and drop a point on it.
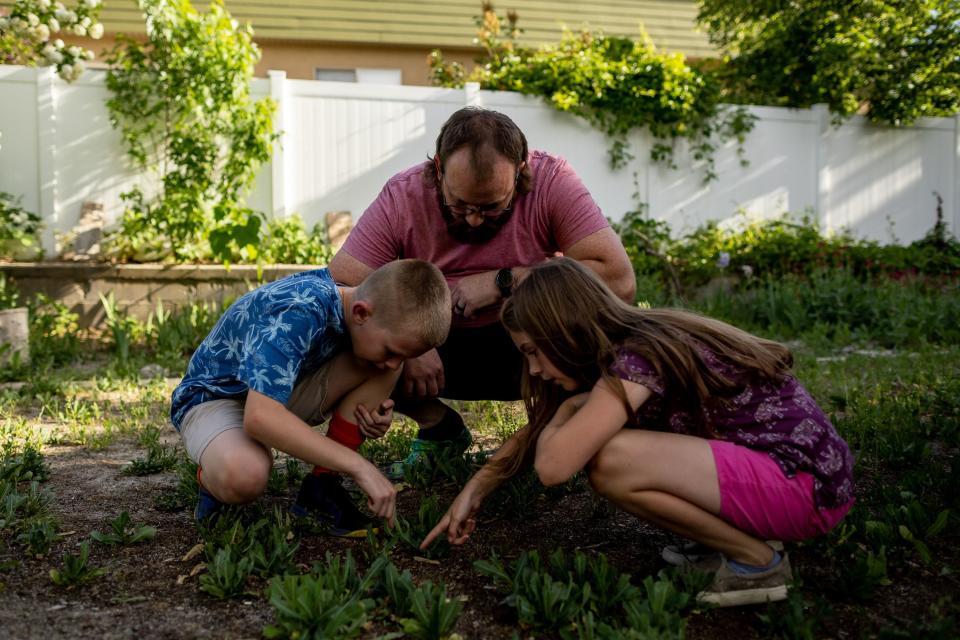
(482, 209)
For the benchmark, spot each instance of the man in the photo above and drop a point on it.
(483, 210)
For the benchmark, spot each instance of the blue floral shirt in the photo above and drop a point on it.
(265, 341)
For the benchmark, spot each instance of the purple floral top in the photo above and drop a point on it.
(781, 419)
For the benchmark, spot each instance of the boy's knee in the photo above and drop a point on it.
(243, 477)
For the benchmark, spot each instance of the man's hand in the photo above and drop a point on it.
(475, 292)
(381, 494)
(423, 375)
(374, 424)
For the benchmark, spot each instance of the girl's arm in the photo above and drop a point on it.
(575, 435)
(459, 521)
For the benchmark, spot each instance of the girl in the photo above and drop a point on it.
(684, 421)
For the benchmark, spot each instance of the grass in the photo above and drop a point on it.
(886, 370)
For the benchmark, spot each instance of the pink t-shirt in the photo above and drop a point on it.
(405, 222)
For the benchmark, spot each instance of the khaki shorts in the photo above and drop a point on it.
(207, 420)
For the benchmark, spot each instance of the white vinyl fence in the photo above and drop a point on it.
(342, 141)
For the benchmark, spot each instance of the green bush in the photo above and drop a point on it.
(181, 101)
(19, 229)
(287, 241)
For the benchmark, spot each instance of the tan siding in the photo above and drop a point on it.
(443, 23)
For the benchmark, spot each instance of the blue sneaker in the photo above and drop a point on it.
(422, 450)
(207, 505)
(324, 498)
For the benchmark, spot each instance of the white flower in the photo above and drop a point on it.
(53, 56)
(33, 19)
(74, 51)
(54, 24)
(90, 55)
(80, 30)
(85, 22)
(747, 270)
(58, 6)
(78, 68)
(43, 33)
(96, 31)
(44, 4)
(58, 43)
(66, 71)
(3, 23)
(91, 3)
(62, 14)
(72, 16)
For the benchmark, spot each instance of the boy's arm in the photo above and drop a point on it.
(575, 435)
(273, 425)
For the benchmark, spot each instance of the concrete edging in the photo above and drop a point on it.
(138, 287)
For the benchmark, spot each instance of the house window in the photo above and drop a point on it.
(361, 76)
(336, 75)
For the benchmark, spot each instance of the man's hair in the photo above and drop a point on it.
(410, 295)
(486, 134)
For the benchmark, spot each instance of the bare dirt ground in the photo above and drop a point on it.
(149, 591)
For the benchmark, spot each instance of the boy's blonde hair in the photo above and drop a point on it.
(410, 295)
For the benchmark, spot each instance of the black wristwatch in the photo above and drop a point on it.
(504, 282)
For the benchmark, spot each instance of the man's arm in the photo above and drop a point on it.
(603, 252)
(347, 270)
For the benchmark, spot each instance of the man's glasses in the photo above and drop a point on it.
(487, 211)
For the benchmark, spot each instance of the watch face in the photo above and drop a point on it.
(505, 278)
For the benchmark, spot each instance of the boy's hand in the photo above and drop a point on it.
(381, 494)
(374, 424)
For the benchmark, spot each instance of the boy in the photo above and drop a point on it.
(282, 358)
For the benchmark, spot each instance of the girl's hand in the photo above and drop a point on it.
(459, 521)
(374, 424)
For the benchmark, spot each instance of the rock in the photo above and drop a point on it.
(338, 225)
(84, 240)
(152, 371)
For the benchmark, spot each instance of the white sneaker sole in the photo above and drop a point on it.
(743, 597)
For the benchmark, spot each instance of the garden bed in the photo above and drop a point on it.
(138, 288)
(94, 427)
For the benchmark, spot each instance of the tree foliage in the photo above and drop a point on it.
(616, 84)
(181, 101)
(893, 60)
(28, 35)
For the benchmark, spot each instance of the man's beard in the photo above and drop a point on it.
(461, 231)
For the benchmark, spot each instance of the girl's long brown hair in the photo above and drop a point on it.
(578, 324)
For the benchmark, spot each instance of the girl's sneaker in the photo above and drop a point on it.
(733, 589)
